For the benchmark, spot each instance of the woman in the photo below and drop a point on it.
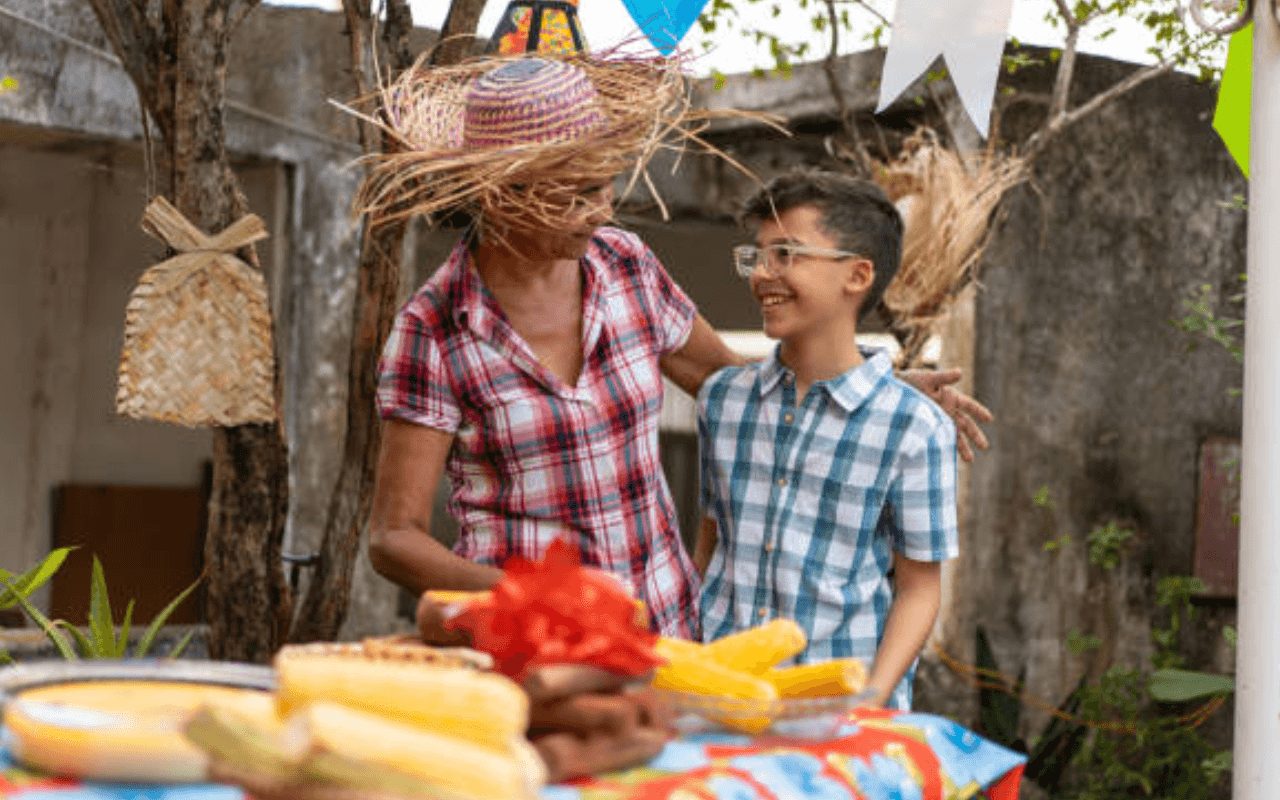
(529, 366)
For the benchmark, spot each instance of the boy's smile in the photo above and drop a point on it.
(799, 292)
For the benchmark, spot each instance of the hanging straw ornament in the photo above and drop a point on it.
(948, 202)
(197, 339)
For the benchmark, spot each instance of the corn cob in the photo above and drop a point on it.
(671, 649)
(349, 747)
(702, 676)
(757, 649)
(484, 708)
(825, 679)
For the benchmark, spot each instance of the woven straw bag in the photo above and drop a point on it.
(197, 340)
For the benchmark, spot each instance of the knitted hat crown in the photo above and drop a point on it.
(531, 101)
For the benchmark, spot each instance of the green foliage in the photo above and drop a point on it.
(17, 588)
(1107, 545)
(1160, 756)
(1202, 320)
(1182, 686)
(1174, 594)
(1080, 643)
(1177, 41)
(1130, 732)
(104, 640)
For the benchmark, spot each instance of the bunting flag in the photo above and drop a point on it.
(1231, 119)
(969, 34)
(664, 22)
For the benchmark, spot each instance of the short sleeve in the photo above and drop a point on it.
(412, 382)
(673, 311)
(923, 497)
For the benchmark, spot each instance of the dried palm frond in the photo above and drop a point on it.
(947, 203)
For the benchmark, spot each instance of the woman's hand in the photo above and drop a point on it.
(963, 409)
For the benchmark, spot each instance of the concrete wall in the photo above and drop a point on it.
(1099, 397)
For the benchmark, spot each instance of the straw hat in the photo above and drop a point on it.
(513, 140)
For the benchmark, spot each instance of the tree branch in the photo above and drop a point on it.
(236, 13)
(458, 32)
(1066, 71)
(829, 68)
(1037, 143)
(395, 35)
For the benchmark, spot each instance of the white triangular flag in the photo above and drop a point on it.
(970, 34)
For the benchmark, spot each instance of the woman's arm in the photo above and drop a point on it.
(703, 353)
(401, 547)
(917, 595)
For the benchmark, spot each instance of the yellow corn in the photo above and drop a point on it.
(450, 596)
(671, 649)
(484, 708)
(757, 649)
(702, 676)
(841, 676)
(358, 749)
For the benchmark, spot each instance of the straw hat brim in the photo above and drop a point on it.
(429, 171)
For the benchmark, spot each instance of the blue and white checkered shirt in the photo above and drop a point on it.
(813, 498)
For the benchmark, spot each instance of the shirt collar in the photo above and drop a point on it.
(849, 389)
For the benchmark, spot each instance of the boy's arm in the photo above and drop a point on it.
(917, 595)
(704, 545)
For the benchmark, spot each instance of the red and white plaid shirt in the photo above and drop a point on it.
(534, 459)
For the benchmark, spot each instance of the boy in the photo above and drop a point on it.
(822, 473)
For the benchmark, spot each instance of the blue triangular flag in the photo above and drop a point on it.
(665, 22)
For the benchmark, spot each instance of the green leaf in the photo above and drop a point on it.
(87, 648)
(182, 644)
(5, 658)
(999, 711)
(101, 627)
(32, 579)
(1180, 685)
(50, 630)
(122, 637)
(1042, 498)
(149, 636)
(1230, 635)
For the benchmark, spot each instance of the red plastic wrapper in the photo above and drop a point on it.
(556, 611)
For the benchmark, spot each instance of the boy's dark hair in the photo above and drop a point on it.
(856, 213)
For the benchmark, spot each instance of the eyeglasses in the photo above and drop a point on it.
(778, 258)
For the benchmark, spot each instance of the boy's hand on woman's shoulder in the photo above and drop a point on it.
(963, 409)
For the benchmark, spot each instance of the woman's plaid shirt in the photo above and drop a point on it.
(534, 459)
(812, 498)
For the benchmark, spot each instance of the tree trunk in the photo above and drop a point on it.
(322, 611)
(177, 60)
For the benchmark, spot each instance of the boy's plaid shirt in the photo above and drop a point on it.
(534, 459)
(812, 500)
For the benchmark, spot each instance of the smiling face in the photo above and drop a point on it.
(815, 294)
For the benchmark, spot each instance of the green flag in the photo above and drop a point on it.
(1231, 120)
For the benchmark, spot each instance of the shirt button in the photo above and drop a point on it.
(788, 417)
(782, 481)
(762, 613)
